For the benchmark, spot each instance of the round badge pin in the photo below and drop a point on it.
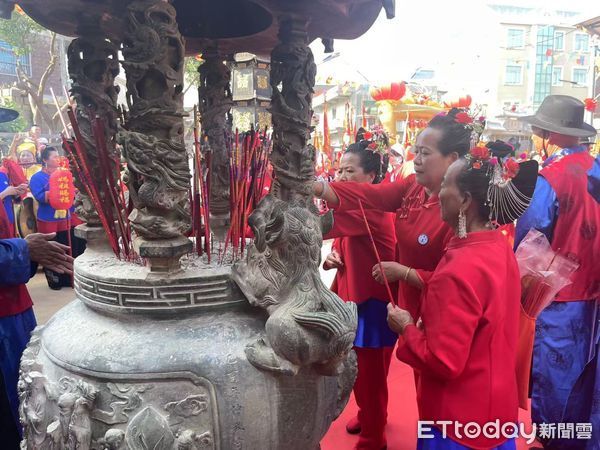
(423, 239)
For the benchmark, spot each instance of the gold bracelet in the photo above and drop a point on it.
(407, 273)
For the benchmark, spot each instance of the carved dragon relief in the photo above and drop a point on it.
(292, 79)
(75, 414)
(308, 325)
(159, 176)
(216, 100)
(93, 67)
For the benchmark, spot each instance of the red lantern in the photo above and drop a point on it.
(61, 192)
(386, 92)
(397, 90)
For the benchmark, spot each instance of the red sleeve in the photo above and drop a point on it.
(450, 312)
(351, 223)
(424, 275)
(384, 197)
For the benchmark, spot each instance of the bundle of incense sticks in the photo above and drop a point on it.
(247, 167)
(107, 198)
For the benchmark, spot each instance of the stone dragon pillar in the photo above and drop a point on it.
(216, 100)
(153, 145)
(93, 67)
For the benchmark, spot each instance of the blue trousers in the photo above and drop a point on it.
(15, 332)
(565, 373)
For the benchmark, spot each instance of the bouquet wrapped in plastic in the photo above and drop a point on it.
(543, 274)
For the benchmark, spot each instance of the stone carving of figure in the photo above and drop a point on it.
(191, 440)
(66, 405)
(80, 426)
(113, 440)
(308, 325)
(35, 408)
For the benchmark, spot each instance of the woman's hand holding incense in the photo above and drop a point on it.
(393, 271)
(398, 319)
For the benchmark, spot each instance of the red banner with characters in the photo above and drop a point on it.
(61, 192)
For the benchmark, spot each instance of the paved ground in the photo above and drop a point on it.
(46, 301)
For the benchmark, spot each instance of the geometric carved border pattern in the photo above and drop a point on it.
(200, 292)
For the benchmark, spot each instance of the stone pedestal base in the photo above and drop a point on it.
(141, 362)
(162, 255)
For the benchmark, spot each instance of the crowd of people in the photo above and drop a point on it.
(456, 287)
(25, 190)
(426, 249)
(19, 260)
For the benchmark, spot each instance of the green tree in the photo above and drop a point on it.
(22, 33)
(190, 71)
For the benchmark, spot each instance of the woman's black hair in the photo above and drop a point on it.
(456, 137)
(370, 161)
(46, 153)
(500, 149)
(360, 134)
(476, 182)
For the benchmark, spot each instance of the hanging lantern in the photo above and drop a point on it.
(393, 91)
(61, 192)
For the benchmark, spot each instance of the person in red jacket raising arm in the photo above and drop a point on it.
(352, 252)
(420, 233)
(465, 349)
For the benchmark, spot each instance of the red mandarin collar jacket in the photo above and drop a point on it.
(354, 281)
(466, 353)
(420, 232)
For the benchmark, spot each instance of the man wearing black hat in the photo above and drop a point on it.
(566, 208)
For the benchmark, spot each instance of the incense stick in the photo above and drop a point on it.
(387, 285)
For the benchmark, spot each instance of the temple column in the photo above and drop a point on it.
(293, 73)
(153, 143)
(215, 109)
(93, 67)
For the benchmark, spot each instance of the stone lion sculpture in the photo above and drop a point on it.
(308, 325)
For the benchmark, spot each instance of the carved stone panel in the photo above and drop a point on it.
(167, 411)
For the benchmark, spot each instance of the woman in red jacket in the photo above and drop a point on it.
(352, 251)
(420, 233)
(465, 350)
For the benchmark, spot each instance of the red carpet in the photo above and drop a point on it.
(402, 416)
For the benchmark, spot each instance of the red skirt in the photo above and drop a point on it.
(52, 227)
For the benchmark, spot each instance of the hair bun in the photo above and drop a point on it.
(500, 149)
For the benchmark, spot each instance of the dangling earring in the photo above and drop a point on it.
(462, 225)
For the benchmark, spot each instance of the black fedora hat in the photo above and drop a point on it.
(6, 115)
(561, 114)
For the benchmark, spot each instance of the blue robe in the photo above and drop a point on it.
(565, 376)
(15, 330)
